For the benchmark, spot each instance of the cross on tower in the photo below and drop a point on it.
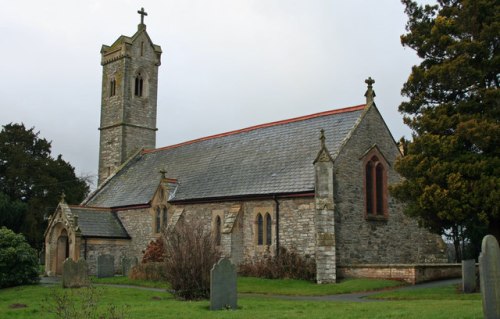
(370, 82)
(142, 13)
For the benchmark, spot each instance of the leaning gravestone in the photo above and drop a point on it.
(128, 264)
(489, 272)
(75, 274)
(469, 276)
(223, 293)
(105, 266)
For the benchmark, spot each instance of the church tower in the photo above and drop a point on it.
(128, 103)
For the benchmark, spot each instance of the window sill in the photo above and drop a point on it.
(377, 218)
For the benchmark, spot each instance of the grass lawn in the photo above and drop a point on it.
(288, 287)
(307, 288)
(450, 292)
(135, 303)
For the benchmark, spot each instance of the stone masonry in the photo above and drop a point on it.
(128, 120)
(396, 239)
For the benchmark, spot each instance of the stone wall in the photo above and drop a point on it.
(139, 225)
(410, 273)
(397, 239)
(93, 247)
(296, 225)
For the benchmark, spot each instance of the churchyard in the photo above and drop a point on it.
(257, 298)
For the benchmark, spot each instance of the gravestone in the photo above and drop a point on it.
(469, 276)
(223, 294)
(75, 274)
(128, 264)
(489, 272)
(105, 266)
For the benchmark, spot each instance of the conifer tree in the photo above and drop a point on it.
(31, 182)
(452, 167)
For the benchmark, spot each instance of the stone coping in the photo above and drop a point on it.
(401, 265)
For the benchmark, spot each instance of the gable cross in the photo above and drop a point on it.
(163, 173)
(142, 13)
(322, 138)
(370, 94)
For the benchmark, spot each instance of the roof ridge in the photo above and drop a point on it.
(259, 126)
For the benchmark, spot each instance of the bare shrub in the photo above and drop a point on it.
(190, 255)
(154, 271)
(286, 265)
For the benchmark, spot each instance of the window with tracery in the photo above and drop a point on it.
(263, 229)
(139, 85)
(375, 187)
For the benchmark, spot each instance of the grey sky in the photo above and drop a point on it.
(227, 64)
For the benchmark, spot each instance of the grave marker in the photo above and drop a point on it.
(128, 264)
(105, 266)
(489, 274)
(469, 276)
(223, 294)
(75, 274)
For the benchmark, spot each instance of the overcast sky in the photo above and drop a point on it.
(226, 64)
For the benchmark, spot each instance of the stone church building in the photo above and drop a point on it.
(316, 184)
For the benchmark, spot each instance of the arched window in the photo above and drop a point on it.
(158, 220)
(112, 87)
(369, 188)
(218, 230)
(260, 229)
(268, 229)
(139, 84)
(375, 188)
(164, 217)
(379, 188)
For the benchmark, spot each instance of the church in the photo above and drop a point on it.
(317, 184)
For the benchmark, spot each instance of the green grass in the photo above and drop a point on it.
(148, 304)
(307, 288)
(450, 292)
(122, 280)
(288, 287)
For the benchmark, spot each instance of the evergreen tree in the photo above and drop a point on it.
(31, 182)
(452, 165)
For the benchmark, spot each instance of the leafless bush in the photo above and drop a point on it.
(149, 271)
(286, 265)
(190, 254)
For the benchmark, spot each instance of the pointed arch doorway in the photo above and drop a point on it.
(62, 251)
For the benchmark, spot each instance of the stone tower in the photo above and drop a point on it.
(128, 103)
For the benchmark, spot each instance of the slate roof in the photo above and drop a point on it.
(273, 158)
(99, 223)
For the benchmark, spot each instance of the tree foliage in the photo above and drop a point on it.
(452, 165)
(31, 182)
(18, 261)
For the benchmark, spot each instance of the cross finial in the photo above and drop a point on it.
(370, 94)
(322, 138)
(163, 173)
(142, 13)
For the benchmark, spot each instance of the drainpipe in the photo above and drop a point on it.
(277, 225)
